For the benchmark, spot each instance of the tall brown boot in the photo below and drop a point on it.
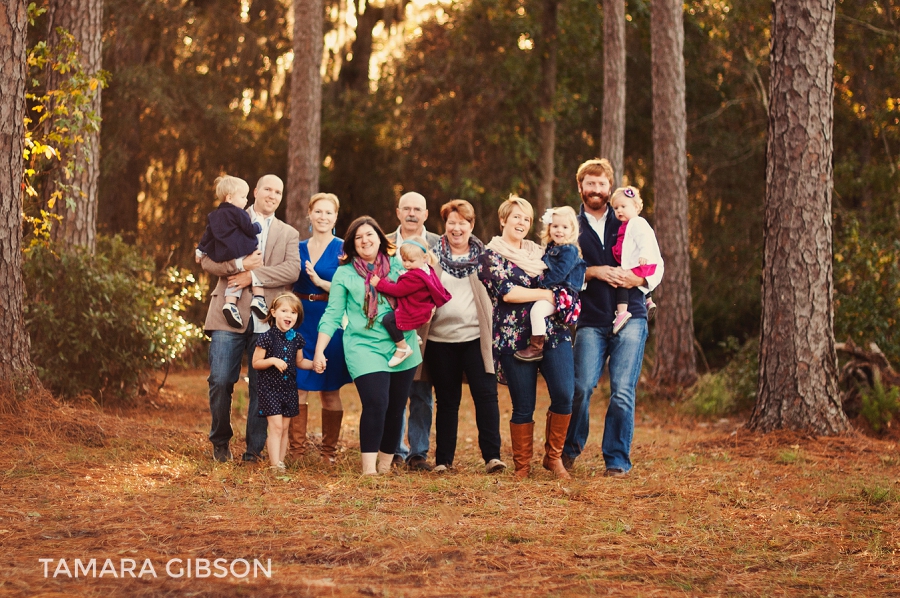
(522, 436)
(297, 435)
(557, 427)
(331, 431)
(534, 351)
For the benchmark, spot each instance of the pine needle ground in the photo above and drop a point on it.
(709, 510)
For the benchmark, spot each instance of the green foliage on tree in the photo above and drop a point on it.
(199, 88)
(867, 288)
(56, 124)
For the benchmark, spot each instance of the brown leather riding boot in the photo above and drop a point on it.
(534, 351)
(522, 436)
(555, 435)
(331, 431)
(297, 435)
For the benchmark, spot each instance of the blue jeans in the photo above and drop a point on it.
(625, 351)
(421, 408)
(521, 376)
(226, 350)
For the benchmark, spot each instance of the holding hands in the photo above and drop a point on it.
(615, 277)
(319, 362)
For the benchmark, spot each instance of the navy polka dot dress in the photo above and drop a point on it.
(277, 391)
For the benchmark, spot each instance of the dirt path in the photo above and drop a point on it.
(708, 510)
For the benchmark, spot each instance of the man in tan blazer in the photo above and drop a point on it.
(275, 266)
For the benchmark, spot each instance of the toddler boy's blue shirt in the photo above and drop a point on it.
(230, 234)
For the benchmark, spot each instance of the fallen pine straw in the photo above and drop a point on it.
(709, 509)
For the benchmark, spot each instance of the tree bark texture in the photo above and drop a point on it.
(797, 359)
(306, 113)
(612, 135)
(78, 227)
(547, 127)
(676, 361)
(14, 342)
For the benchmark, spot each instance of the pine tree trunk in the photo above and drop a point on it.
(14, 342)
(78, 227)
(547, 129)
(612, 135)
(676, 361)
(797, 359)
(306, 113)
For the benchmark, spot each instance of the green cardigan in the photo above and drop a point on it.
(366, 350)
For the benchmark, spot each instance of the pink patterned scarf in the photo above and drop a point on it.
(381, 268)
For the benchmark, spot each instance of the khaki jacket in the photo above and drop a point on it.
(279, 272)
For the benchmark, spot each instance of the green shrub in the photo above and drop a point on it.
(731, 389)
(879, 405)
(867, 288)
(100, 324)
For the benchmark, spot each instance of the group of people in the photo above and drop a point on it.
(405, 312)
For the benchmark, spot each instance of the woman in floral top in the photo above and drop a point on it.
(511, 269)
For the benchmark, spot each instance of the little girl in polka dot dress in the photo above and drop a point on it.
(277, 356)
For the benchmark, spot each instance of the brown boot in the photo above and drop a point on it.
(557, 427)
(331, 431)
(522, 436)
(534, 351)
(297, 436)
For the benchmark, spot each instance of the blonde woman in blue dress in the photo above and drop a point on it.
(319, 259)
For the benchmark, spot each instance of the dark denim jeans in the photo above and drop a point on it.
(446, 364)
(521, 376)
(383, 396)
(625, 351)
(421, 409)
(226, 351)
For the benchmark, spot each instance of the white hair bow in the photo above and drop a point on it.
(547, 218)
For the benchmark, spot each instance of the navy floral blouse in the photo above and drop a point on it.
(512, 325)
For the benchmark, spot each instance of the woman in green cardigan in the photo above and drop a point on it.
(383, 390)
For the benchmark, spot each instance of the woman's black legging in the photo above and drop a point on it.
(446, 364)
(383, 396)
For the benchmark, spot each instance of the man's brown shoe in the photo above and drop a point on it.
(418, 464)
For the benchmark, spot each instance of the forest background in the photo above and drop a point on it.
(444, 99)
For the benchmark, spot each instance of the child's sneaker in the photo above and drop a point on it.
(258, 307)
(232, 315)
(400, 356)
(651, 308)
(620, 321)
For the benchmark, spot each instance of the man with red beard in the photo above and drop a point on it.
(594, 340)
